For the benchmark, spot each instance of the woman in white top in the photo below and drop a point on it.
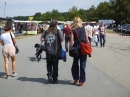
(102, 34)
(8, 48)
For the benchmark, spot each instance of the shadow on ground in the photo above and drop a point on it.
(34, 59)
(43, 80)
(39, 80)
(2, 74)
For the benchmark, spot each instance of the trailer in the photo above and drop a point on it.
(107, 22)
(2, 23)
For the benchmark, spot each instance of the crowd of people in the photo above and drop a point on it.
(86, 33)
(51, 35)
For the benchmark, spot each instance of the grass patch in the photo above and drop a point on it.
(112, 32)
(25, 36)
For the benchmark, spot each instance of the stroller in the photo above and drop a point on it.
(39, 49)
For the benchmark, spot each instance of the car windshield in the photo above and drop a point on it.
(128, 27)
(125, 26)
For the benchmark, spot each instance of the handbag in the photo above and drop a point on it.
(73, 52)
(95, 38)
(64, 55)
(16, 47)
(85, 47)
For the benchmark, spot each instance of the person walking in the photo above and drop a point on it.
(13, 28)
(50, 37)
(96, 33)
(90, 31)
(66, 34)
(8, 49)
(102, 34)
(78, 70)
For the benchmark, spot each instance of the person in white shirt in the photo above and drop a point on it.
(13, 28)
(90, 31)
(102, 34)
(96, 33)
(8, 49)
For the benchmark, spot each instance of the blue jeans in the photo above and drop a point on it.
(102, 40)
(90, 40)
(78, 70)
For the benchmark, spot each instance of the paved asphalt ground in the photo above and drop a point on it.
(107, 72)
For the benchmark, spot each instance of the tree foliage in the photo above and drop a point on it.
(122, 11)
(92, 13)
(103, 11)
(21, 18)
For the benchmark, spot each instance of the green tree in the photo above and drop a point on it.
(92, 13)
(46, 16)
(73, 12)
(122, 11)
(21, 18)
(37, 16)
(103, 10)
(82, 14)
(56, 15)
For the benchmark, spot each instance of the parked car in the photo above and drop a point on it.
(124, 27)
(116, 29)
(127, 30)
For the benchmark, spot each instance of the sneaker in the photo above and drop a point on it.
(80, 84)
(55, 82)
(7, 77)
(50, 79)
(75, 82)
(14, 74)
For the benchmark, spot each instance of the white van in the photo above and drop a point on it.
(107, 22)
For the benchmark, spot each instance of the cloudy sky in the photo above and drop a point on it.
(30, 7)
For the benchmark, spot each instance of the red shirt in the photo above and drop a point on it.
(67, 30)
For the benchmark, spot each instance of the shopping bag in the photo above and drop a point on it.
(95, 38)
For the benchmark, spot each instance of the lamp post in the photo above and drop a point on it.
(121, 28)
(4, 9)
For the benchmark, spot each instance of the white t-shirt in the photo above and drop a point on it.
(96, 29)
(102, 30)
(90, 30)
(6, 38)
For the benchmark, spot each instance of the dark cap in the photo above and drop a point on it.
(53, 23)
(8, 25)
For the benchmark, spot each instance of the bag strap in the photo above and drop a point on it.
(12, 38)
(59, 46)
(58, 40)
(77, 35)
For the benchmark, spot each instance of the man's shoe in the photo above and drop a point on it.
(55, 82)
(75, 82)
(7, 77)
(80, 84)
(50, 79)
